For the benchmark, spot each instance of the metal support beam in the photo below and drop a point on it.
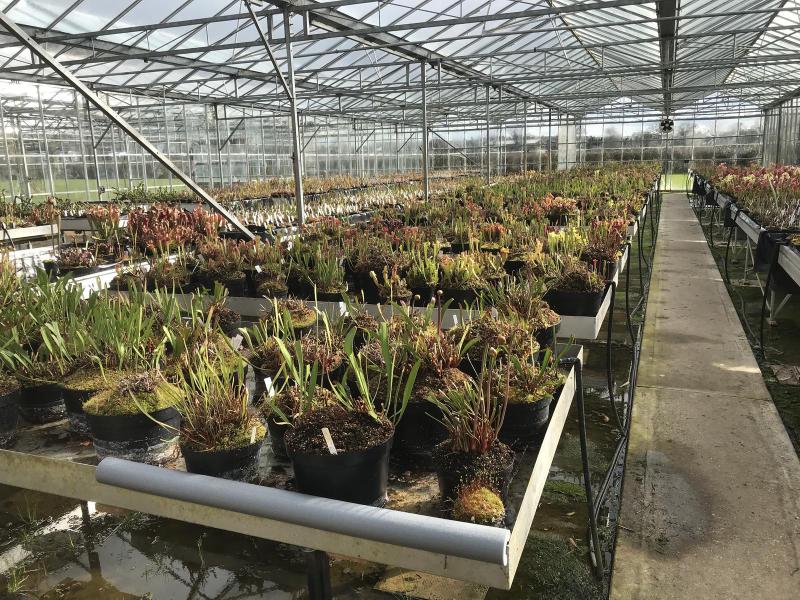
(667, 28)
(96, 162)
(426, 181)
(90, 96)
(488, 146)
(232, 133)
(289, 88)
(524, 166)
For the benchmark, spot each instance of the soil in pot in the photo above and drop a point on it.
(525, 422)
(358, 472)
(42, 403)
(575, 304)
(238, 463)
(9, 416)
(493, 469)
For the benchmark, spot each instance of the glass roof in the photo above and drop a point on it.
(362, 58)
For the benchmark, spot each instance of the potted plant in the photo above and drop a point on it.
(76, 261)
(299, 392)
(578, 291)
(531, 386)
(134, 417)
(522, 300)
(423, 272)
(439, 355)
(506, 335)
(391, 287)
(351, 461)
(219, 435)
(294, 313)
(461, 279)
(221, 261)
(327, 275)
(473, 416)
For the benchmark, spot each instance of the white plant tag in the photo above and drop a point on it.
(326, 433)
(258, 268)
(236, 341)
(253, 435)
(268, 385)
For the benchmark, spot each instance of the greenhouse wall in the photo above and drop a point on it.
(782, 133)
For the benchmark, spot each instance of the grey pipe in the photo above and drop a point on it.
(420, 532)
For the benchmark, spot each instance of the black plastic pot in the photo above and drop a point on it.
(547, 338)
(42, 403)
(450, 480)
(418, 431)
(358, 477)
(239, 464)
(525, 422)
(458, 247)
(9, 417)
(136, 437)
(575, 304)
(513, 266)
(460, 298)
(558, 220)
(363, 285)
(328, 296)
(73, 401)
(425, 293)
(277, 436)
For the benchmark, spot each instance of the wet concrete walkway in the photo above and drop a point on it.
(711, 503)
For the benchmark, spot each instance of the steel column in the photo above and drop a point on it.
(26, 178)
(94, 152)
(488, 144)
(426, 183)
(297, 158)
(524, 137)
(5, 148)
(50, 179)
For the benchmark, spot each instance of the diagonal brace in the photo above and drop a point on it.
(27, 41)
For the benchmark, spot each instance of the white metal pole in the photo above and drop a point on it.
(425, 166)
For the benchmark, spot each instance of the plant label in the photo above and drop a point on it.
(326, 433)
(269, 387)
(253, 435)
(258, 268)
(236, 341)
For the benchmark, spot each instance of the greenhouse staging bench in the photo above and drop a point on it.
(45, 459)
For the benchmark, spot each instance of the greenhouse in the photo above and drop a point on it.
(469, 299)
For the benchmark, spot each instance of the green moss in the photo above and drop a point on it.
(553, 569)
(89, 379)
(563, 492)
(479, 504)
(240, 438)
(114, 402)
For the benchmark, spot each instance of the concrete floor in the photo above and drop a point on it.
(711, 501)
